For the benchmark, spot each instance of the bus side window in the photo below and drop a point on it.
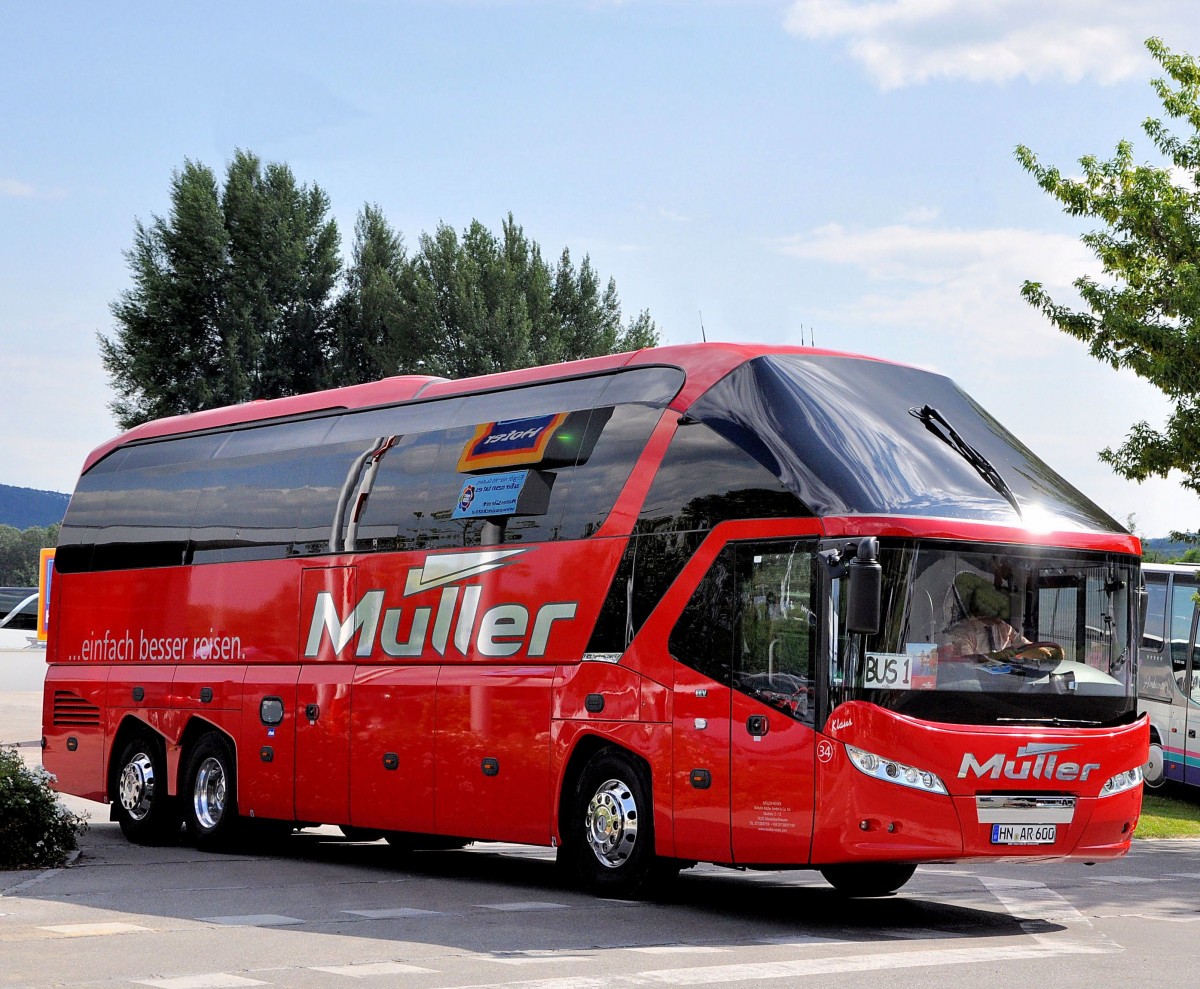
(1183, 595)
(705, 635)
(749, 624)
(1156, 611)
(774, 661)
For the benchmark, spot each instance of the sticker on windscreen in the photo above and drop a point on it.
(913, 669)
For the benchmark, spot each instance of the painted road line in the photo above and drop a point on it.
(366, 969)
(679, 949)
(254, 920)
(93, 930)
(526, 905)
(874, 961)
(1033, 902)
(214, 980)
(1120, 880)
(919, 934)
(537, 958)
(395, 913)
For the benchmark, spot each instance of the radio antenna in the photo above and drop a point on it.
(703, 335)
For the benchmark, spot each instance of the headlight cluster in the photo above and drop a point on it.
(895, 772)
(1122, 782)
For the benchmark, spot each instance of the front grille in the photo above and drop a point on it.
(72, 711)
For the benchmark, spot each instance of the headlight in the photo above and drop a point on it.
(895, 772)
(1122, 782)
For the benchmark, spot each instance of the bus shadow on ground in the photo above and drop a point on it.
(339, 887)
(782, 904)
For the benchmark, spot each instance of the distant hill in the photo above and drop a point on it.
(23, 507)
(1163, 549)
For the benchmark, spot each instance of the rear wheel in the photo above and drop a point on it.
(1154, 774)
(868, 879)
(145, 812)
(211, 813)
(608, 841)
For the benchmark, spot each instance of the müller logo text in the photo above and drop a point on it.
(501, 630)
(1033, 762)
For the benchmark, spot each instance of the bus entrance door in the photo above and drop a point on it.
(323, 696)
(1185, 712)
(771, 776)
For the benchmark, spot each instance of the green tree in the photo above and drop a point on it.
(170, 348)
(375, 330)
(20, 553)
(490, 303)
(231, 297)
(1144, 314)
(239, 293)
(283, 269)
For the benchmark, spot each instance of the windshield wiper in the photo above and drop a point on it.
(936, 423)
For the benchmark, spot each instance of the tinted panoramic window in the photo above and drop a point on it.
(381, 479)
(705, 479)
(855, 436)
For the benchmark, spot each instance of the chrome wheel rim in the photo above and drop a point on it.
(611, 824)
(208, 798)
(136, 788)
(1154, 769)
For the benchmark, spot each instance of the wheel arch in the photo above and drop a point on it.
(196, 729)
(131, 727)
(585, 748)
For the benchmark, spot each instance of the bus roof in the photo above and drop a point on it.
(702, 363)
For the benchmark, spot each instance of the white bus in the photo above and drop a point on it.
(1169, 673)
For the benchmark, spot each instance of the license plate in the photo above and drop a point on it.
(1024, 834)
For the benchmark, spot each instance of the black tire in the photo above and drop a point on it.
(404, 842)
(145, 811)
(608, 837)
(868, 878)
(1154, 776)
(211, 793)
(359, 834)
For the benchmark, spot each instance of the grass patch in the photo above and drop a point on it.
(1173, 812)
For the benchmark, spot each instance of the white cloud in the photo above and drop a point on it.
(17, 189)
(921, 214)
(904, 42)
(673, 216)
(949, 299)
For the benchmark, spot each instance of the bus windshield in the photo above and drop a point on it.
(1004, 635)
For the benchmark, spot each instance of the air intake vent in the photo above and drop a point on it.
(72, 711)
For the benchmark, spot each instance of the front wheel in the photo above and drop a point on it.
(868, 879)
(146, 814)
(212, 815)
(608, 840)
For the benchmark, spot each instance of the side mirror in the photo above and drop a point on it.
(865, 593)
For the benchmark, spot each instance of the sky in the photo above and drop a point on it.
(779, 171)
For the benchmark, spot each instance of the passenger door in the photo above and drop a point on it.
(1185, 712)
(772, 751)
(743, 738)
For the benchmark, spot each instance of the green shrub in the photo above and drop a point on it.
(36, 831)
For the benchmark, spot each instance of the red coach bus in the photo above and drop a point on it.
(721, 603)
